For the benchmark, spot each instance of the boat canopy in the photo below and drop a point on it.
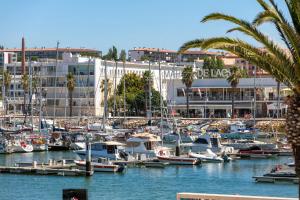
(144, 137)
(113, 143)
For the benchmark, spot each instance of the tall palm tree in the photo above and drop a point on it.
(71, 83)
(147, 80)
(109, 87)
(234, 79)
(6, 81)
(282, 63)
(25, 86)
(187, 79)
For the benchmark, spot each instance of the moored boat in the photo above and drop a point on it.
(155, 164)
(101, 167)
(209, 156)
(178, 160)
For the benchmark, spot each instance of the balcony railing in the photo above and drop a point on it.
(229, 98)
(203, 196)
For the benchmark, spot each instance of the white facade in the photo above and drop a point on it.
(89, 73)
(214, 97)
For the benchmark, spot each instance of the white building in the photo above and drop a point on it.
(89, 74)
(213, 97)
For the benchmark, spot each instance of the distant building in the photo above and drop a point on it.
(191, 56)
(154, 54)
(50, 53)
(7, 57)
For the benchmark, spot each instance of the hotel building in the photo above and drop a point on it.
(89, 74)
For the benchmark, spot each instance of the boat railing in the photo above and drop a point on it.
(204, 196)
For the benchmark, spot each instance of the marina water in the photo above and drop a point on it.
(144, 183)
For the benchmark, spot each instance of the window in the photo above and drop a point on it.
(201, 141)
(180, 92)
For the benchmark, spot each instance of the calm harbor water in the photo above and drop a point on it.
(144, 183)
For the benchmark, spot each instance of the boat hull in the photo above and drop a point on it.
(100, 167)
(179, 160)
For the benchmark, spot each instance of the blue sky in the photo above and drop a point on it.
(124, 23)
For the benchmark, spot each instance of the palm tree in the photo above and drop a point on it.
(25, 86)
(6, 82)
(282, 63)
(109, 87)
(187, 79)
(71, 83)
(234, 79)
(147, 80)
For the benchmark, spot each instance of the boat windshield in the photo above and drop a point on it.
(201, 141)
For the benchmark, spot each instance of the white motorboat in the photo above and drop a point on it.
(144, 144)
(109, 149)
(209, 156)
(178, 160)
(100, 167)
(77, 141)
(246, 144)
(77, 145)
(204, 142)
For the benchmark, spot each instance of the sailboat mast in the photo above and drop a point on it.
(30, 91)
(14, 96)
(55, 80)
(149, 90)
(40, 101)
(161, 99)
(124, 88)
(115, 87)
(105, 97)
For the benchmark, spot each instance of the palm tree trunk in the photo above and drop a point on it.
(232, 103)
(6, 100)
(71, 103)
(293, 129)
(24, 108)
(187, 103)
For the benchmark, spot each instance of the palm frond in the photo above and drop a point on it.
(189, 45)
(294, 9)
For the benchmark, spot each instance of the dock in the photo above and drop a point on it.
(273, 179)
(42, 171)
(51, 168)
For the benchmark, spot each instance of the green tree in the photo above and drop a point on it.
(147, 80)
(188, 75)
(71, 83)
(282, 64)
(112, 54)
(135, 93)
(122, 56)
(235, 75)
(213, 63)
